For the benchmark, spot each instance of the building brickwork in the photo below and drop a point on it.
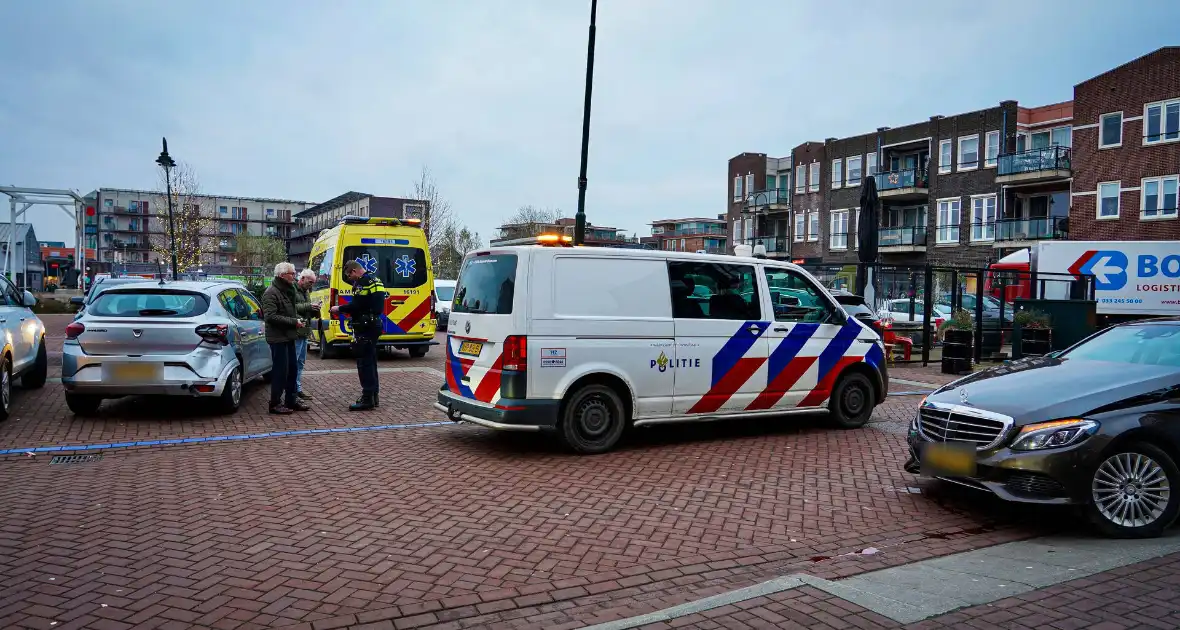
(1128, 89)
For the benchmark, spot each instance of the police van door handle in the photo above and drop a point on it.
(781, 329)
(754, 329)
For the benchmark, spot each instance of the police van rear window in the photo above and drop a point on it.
(486, 285)
(397, 267)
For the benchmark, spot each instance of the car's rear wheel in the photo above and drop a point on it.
(1134, 492)
(35, 378)
(852, 401)
(83, 404)
(593, 419)
(231, 398)
(417, 352)
(326, 351)
(5, 387)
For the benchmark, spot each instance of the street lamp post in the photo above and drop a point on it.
(580, 217)
(166, 162)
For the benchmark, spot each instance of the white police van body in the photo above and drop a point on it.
(588, 342)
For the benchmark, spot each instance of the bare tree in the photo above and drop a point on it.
(438, 217)
(532, 214)
(256, 250)
(190, 220)
(458, 242)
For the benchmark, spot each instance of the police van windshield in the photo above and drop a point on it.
(397, 267)
(486, 285)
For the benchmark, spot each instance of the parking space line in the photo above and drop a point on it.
(216, 438)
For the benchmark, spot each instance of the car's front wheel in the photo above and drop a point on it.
(5, 388)
(852, 401)
(593, 419)
(1131, 492)
(35, 378)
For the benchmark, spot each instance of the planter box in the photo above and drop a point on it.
(956, 351)
(1034, 342)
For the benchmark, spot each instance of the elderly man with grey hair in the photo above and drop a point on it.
(283, 327)
(307, 309)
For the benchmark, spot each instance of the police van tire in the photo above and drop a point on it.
(592, 419)
(851, 404)
(417, 352)
(326, 351)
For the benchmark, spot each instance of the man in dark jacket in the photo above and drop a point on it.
(366, 308)
(282, 329)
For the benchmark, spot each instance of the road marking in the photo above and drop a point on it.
(217, 438)
(912, 592)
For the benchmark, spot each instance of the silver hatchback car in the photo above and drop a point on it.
(196, 339)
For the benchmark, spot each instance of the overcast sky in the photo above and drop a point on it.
(306, 100)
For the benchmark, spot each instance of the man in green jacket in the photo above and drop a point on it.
(306, 309)
(283, 327)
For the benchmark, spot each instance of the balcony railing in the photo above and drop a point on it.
(719, 231)
(901, 236)
(779, 198)
(1039, 229)
(907, 178)
(1032, 161)
(773, 244)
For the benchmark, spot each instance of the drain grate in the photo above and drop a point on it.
(75, 459)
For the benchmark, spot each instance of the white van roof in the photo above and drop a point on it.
(634, 254)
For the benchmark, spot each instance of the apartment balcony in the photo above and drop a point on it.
(899, 240)
(772, 200)
(775, 245)
(911, 184)
(1027, 232)
(122, 210)
(717, 231)
(1036, 166)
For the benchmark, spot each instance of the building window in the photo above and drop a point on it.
(1161, 122)
(223, 210)
(799, 220)
(838, 238)
(813, 178)
(1110, 130)
(871, 164)
(983, 218)
(949, 213)
(992, 150)
(854, 170)
(1159, 198)
(968, 153)
(837, 173)
(800, 179)
(749, 183)
(944, 156)
(737, 188)
(813, 226)
(1108, 200)
(1061, 136)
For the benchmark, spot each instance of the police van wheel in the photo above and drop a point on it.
(417, 352)
(852, 401)
(326, 351)
(593, 419)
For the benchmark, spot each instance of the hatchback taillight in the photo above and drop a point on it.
(214, 333)
(516, 353)
(75, 329)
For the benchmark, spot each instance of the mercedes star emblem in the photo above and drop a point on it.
(963, 394)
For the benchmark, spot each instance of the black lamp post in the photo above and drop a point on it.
(580, 217)
(166, 162)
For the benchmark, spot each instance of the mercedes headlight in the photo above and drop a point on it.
(1054, 434)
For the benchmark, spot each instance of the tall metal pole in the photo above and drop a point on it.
(580, 217)
(167, 163)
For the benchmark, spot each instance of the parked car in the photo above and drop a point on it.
(619, 338)
(1096, 425)
(444, 292)
(991, 309)
(23, 352)
(899, 311)
(194, 339)
(101, 284)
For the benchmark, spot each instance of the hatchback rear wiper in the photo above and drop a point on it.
(156, 311)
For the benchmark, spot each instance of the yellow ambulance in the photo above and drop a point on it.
(396, 251)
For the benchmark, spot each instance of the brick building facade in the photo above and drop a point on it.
(1126, 156)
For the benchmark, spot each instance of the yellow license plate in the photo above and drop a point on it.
(134, 371)
(471, 348)
(948, 460)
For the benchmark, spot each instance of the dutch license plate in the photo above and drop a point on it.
(134, 371)
(471, 348)
(948, 460)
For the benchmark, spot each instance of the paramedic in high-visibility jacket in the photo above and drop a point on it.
(365, 309)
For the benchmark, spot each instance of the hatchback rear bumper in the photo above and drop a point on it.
(505, 415)
(177, 381)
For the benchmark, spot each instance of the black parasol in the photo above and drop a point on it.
(866, 229)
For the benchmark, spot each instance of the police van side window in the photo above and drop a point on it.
(795, 299)
(714, 291)
(486, 285)
(322, 265)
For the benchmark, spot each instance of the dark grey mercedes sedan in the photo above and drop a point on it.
(1096, 425)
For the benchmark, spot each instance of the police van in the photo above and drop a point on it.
(590, 342)
(396, 251)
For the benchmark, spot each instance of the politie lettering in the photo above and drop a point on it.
(1151, 265)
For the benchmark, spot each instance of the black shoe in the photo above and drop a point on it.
(303, 396)
(280, 410)
(298, 406)
(364, 403)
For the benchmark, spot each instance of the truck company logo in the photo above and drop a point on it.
(662, 363)
(1109, 268)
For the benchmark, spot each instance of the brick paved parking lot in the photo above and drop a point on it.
(447, 525)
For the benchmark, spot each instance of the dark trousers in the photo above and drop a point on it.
(365, 351)
(283, 372)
